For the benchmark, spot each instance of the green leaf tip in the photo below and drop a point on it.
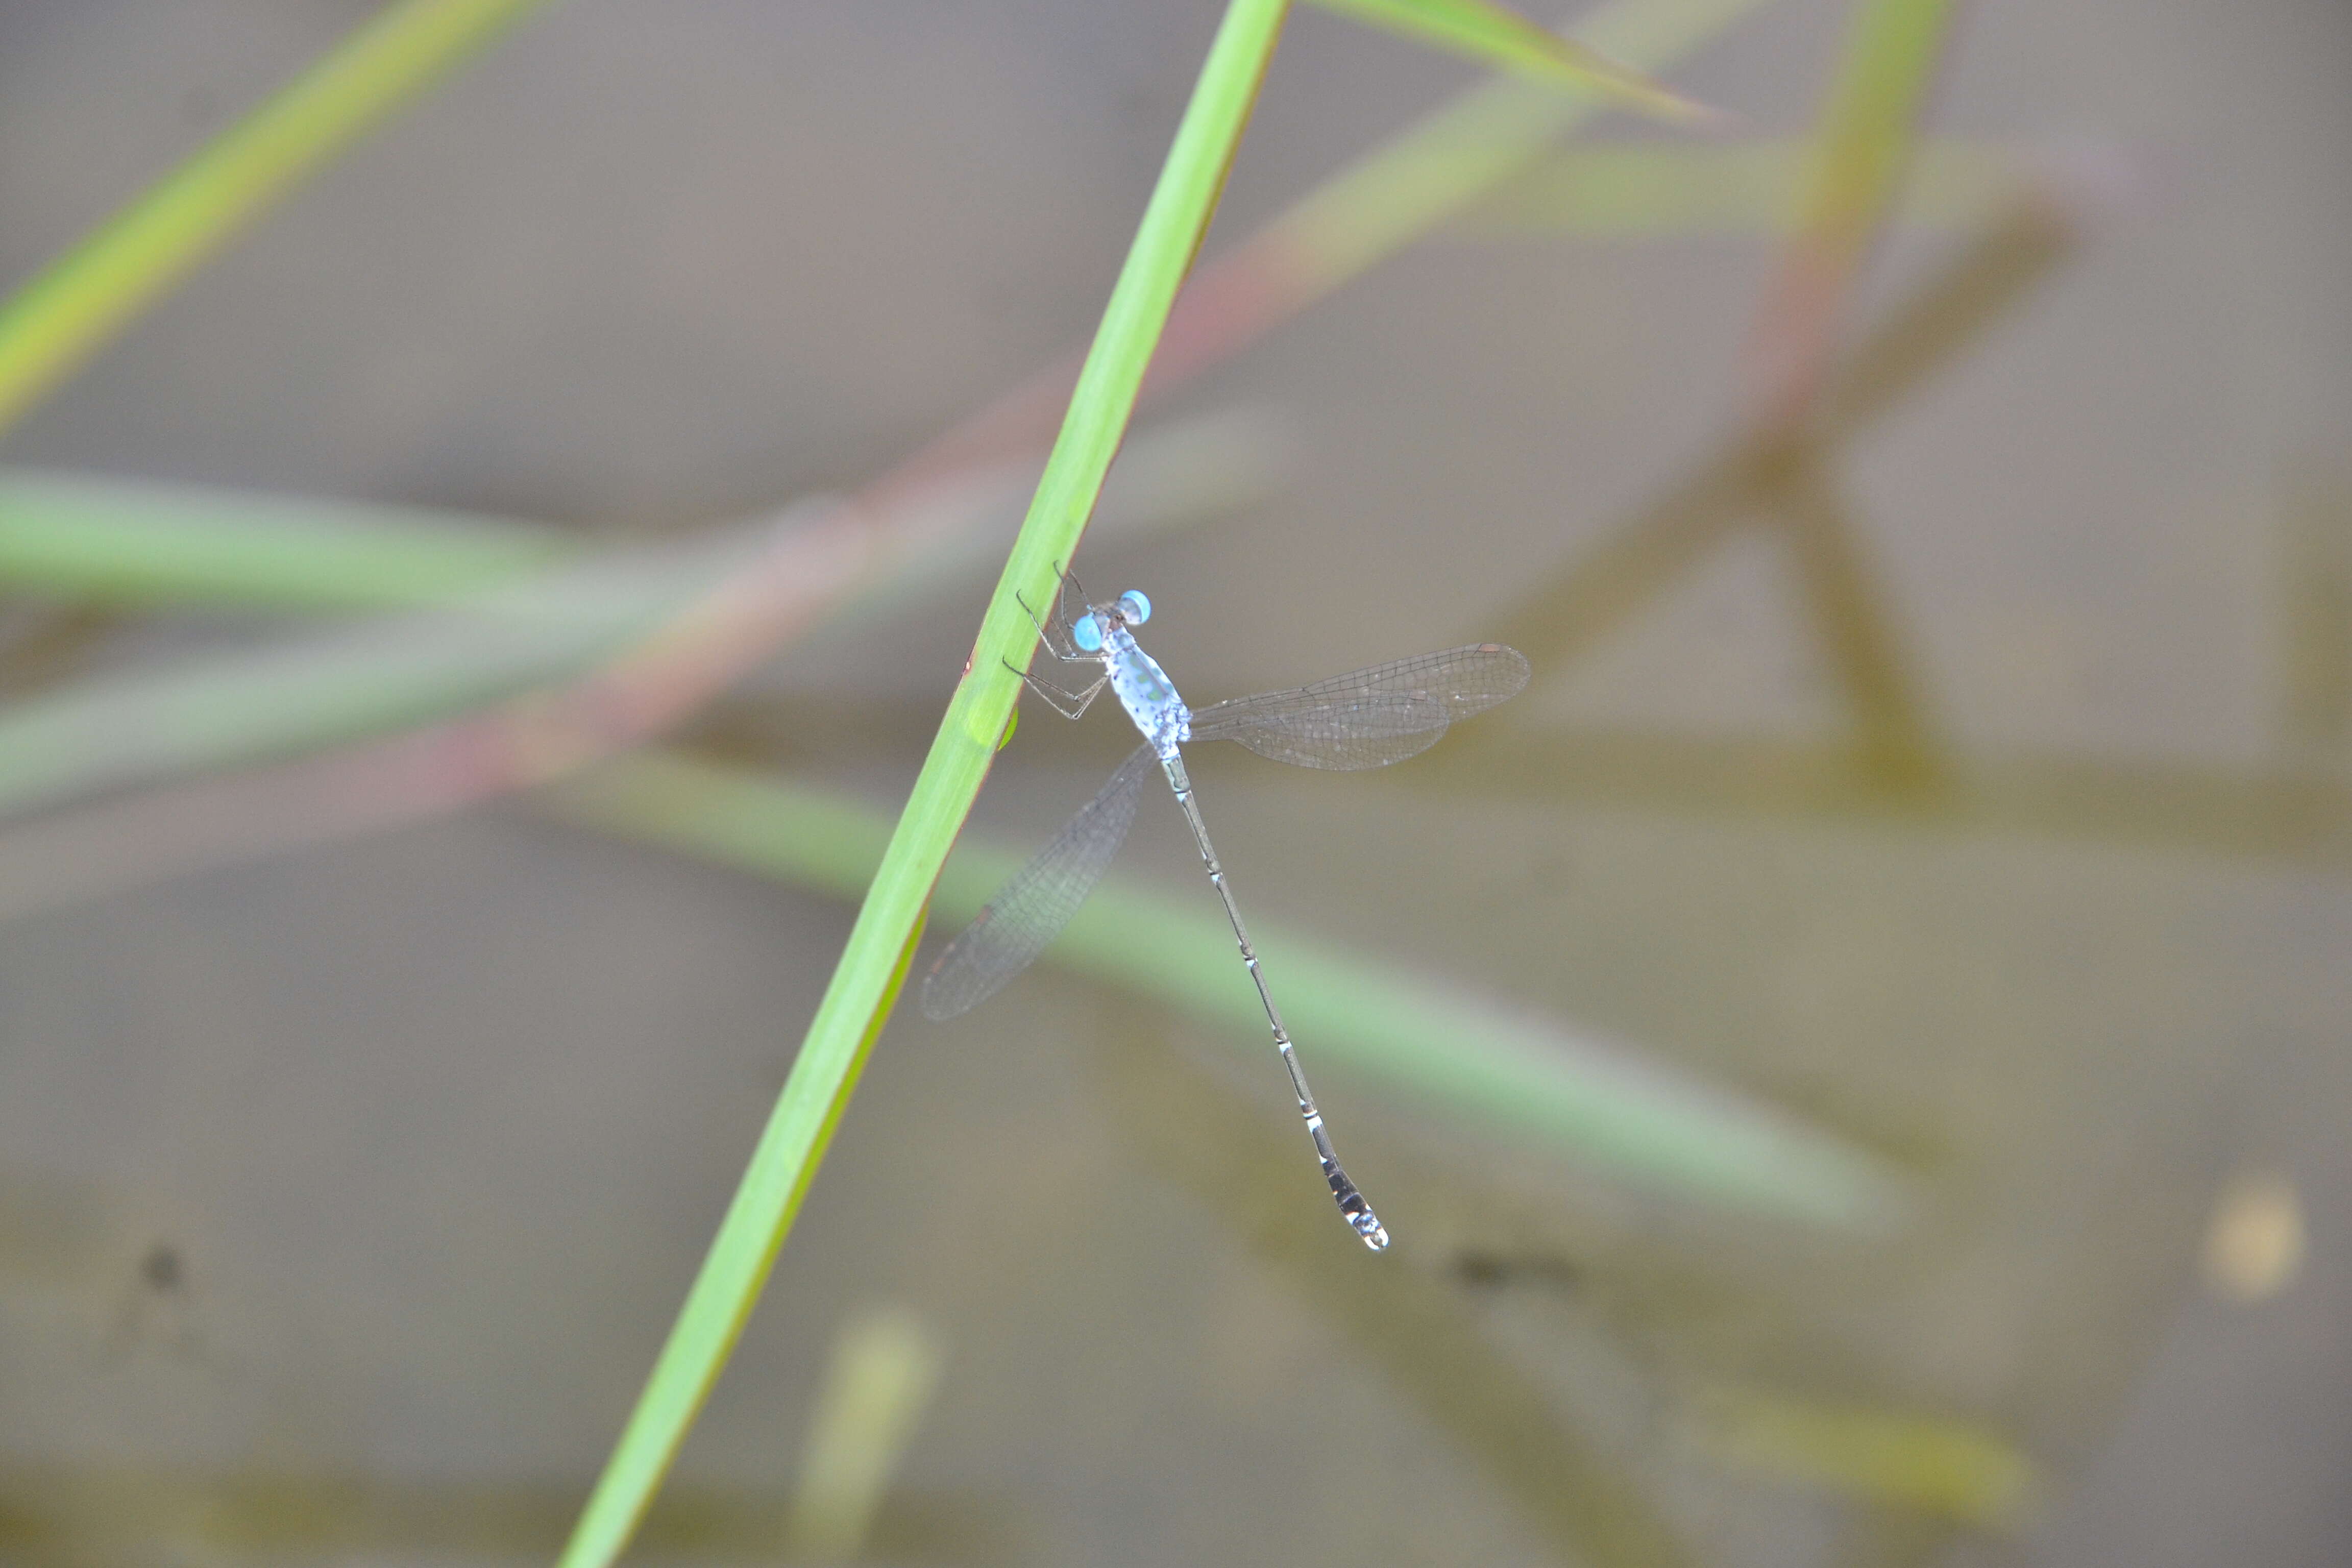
(1494, 35)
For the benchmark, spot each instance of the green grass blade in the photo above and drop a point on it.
(112, 542)
(126, 545)
(1639, 192)
(720, 1303)
(1501, 1072)
(1494, 35)
(885, 1366)
(1396, 194)
(71, 309)
(1861, 149)
(857, 999)
(155, 721)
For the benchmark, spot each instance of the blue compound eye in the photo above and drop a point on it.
(1135, 607)
(1086, 632)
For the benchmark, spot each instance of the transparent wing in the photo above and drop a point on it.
(1370, 718)
(1032, 909)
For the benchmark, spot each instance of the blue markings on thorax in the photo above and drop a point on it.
(1147, 693)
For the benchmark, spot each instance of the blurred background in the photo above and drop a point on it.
(1917, 874)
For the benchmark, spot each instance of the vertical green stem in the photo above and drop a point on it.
(864, 983)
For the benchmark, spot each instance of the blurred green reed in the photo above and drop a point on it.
(485, 625)
(51, 325)
(885, 1367)
(1503, 1072)
(1633, 190)
(1507, 41)
(1861, 149)
(126, 545)
(353, 681)
(1944, 1468)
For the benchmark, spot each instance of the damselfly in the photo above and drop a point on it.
(1367, 720)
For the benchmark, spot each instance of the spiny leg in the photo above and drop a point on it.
(1053, 634)
(1056, 632)
(1055, 696)
(1056, 636)
(1069, 583)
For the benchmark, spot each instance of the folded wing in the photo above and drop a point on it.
(1031, 910)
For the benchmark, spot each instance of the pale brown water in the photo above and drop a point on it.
(435, 1127)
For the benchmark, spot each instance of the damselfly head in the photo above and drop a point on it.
(1129, 609)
